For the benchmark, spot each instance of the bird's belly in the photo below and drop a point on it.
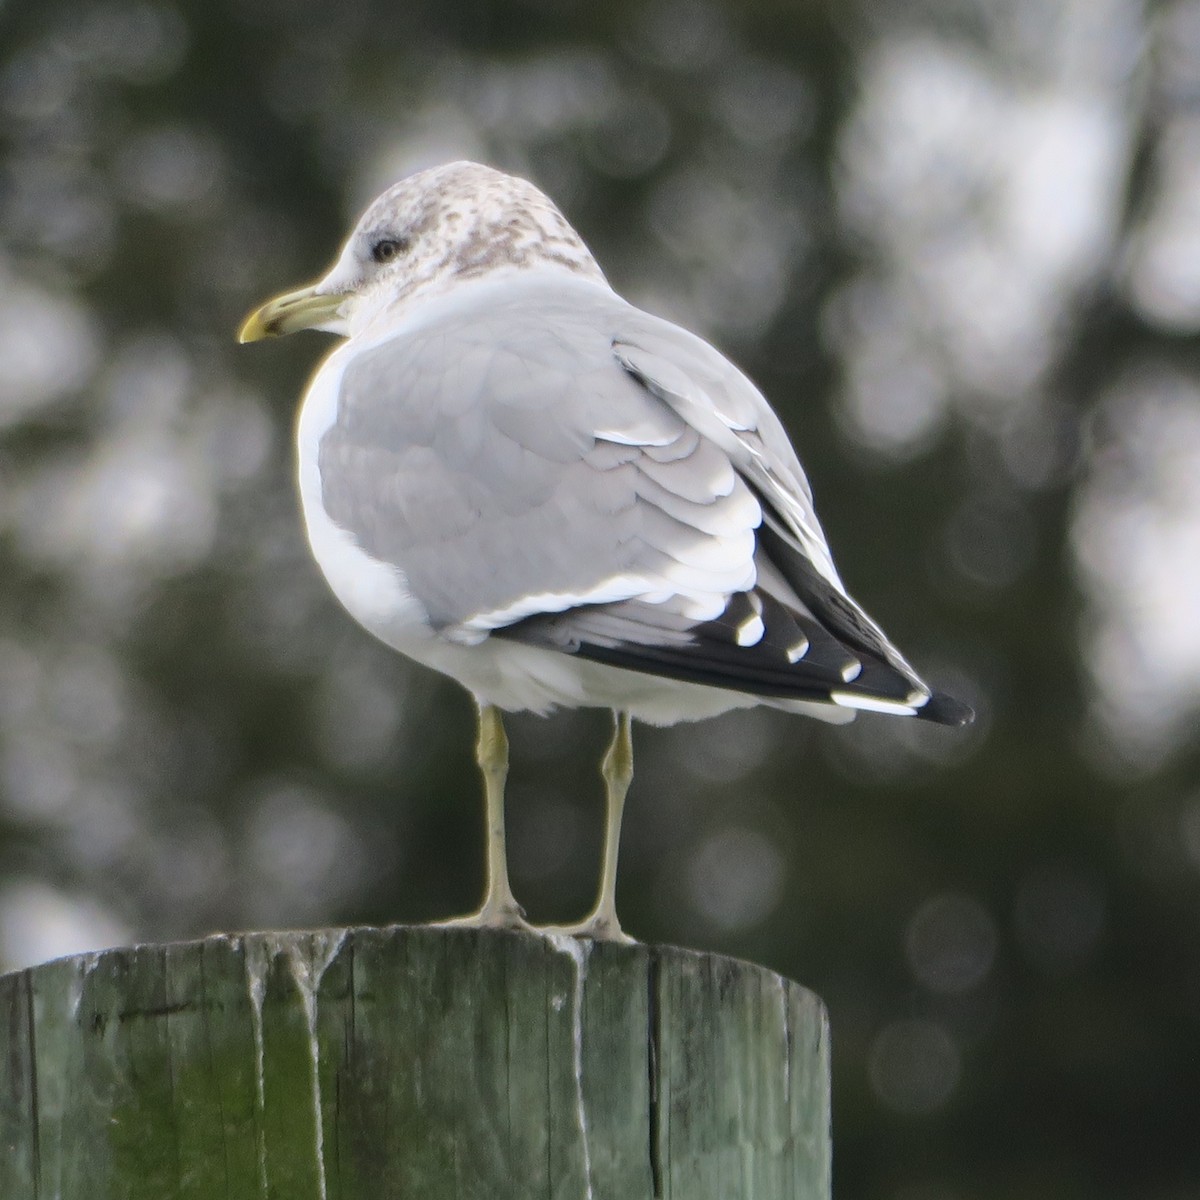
(373, 592)
(508, 674)
(513, 676)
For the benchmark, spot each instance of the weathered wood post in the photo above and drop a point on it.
(372, 1064)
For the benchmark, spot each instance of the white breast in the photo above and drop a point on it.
(373, 592)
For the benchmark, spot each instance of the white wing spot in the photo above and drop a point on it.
(872, 704)
(851, 671)
(797, 650)
(750, 632)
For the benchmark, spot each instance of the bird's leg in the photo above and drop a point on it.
(500, 908)
(491, 752)
(616, 768)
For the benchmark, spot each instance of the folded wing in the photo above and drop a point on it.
(584, 477)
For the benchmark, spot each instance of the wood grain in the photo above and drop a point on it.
(367, 1064)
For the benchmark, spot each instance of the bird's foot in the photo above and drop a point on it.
(493, 915)
(596, 928)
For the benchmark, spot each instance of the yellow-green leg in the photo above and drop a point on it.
(616, 769)
(500, 908)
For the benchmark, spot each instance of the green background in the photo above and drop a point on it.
(954, 243)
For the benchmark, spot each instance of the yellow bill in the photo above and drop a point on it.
(305, 308)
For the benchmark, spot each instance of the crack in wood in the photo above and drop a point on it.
(34, 1108)
(654, 1067)
(147, 1013)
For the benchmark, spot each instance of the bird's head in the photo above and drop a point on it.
(431, 230)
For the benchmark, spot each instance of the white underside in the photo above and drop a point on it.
(508, 674)
(516, 677)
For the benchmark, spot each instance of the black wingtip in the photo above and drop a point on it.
(945, 710)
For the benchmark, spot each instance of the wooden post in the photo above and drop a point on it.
(372, 1064)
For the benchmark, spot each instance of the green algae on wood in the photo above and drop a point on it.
(368, 1064)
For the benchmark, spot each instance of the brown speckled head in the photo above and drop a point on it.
(451, 223)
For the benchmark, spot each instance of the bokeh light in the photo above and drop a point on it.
(914, 1066)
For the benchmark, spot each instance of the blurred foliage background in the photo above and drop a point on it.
(957, 242)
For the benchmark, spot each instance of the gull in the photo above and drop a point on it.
(513, 476)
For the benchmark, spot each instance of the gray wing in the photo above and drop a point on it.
(508, 466)
(796, 633)
(597, 481)
(702, 385)
(708, 391)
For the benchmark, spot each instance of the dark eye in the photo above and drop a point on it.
(387, 249)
